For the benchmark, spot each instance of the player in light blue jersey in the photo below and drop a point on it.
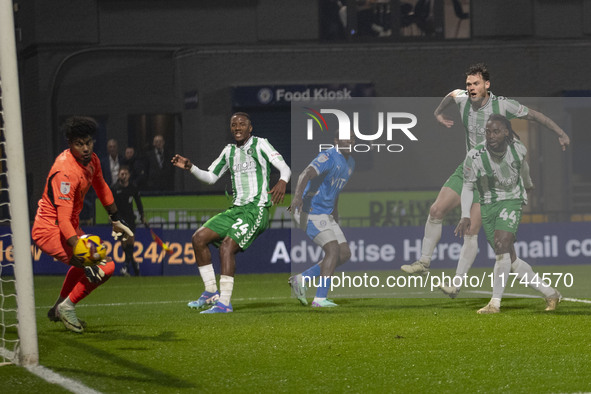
(494, 168)
(476, 104)
(315, 209)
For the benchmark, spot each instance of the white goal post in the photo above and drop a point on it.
(26, 352)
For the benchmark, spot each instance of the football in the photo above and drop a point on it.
(90, 249)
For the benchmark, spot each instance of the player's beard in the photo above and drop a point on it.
(477, 102)
(499, 151)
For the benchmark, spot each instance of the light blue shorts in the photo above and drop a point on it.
(323, 229)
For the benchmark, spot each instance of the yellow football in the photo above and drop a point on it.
(90, 249)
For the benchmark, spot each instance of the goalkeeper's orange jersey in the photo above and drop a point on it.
(66, 186)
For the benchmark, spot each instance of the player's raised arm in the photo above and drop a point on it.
(296, 201)
(466, 196)
(447, 100)
(542, 119)
(204, 176)
(528, 184)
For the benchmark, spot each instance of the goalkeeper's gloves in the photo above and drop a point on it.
(94, 274)
(120, 228)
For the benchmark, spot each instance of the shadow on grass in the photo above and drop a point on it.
(146, 374)
(353, 304)
(379, 304)
(109, 335)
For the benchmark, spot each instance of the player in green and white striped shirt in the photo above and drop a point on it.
(249, 161)
(476, 104)
(494, 168)
(498, 179)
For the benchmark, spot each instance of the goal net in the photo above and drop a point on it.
(8, 321)
(18, 327)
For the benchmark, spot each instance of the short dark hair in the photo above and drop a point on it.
(247, 116)
(507, 123)
(478, 68)
(79, 127)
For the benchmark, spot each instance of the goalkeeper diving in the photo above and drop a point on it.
(56, 230)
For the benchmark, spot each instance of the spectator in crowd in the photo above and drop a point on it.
(136, 166)
(125, 192)
(370, 18)
(160, 172)
(110, 163)
(331, 27)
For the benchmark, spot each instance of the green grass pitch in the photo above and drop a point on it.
(142, 338)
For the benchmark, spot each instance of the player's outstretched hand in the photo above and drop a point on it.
(94, 274)
(443, 120)
(181, 162)
(564, 141)
(296, 204)
(278, 192)
(462, 227)
(121, 230)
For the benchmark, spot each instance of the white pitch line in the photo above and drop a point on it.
(49, 376)
(576, 300)
(532, 296)
(69, 384)
(504, 294)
